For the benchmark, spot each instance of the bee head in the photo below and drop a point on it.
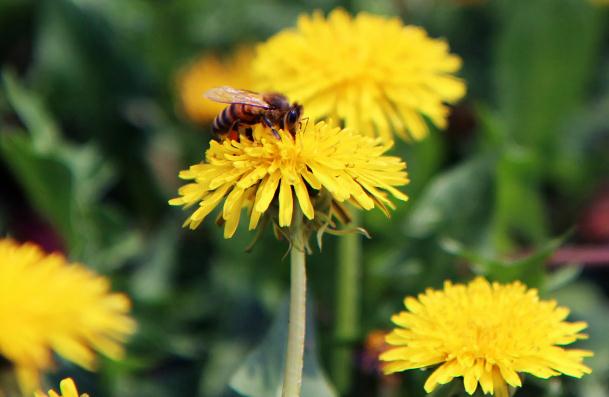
(292, 117)
(294, 113)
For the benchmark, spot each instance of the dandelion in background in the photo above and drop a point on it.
(212, 71)
(50, 305)
(371, 72)
(487, 334)
(67, 388)
(374, 346)
(316, 169)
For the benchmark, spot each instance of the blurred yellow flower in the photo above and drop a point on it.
(67, 387)
(47, 304)
(208, 72)
(265, 171)
(372, 72)
(487, 334)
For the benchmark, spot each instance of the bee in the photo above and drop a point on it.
(247, 108)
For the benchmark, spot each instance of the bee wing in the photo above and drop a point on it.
(229, 95)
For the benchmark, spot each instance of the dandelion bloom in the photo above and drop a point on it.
(49, 305)
(372, 72)
(208, 72)
(264, 172)
(487, 334)
(67, 388)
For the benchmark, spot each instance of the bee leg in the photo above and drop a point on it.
(268, 123)
(233, 131)
(249, 133)
(306, 120)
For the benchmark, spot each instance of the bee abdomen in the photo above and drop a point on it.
(224, 120)
(232, 114)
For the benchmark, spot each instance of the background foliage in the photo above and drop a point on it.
(92, 138)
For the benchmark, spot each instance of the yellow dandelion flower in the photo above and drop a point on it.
(49, 305)
(208, 72)
(487, 334)
(67, 388)
(264, 171)
(371, 72)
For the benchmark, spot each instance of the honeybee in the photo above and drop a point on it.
(250, 108)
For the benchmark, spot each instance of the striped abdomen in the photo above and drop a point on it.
(235, 114)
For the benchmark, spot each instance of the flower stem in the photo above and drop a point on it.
(292, 378)
(348, 283)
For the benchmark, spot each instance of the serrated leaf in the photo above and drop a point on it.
(529, 269)
(91, 172)
(32, 113)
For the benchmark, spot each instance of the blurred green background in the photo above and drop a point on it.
(92, 138)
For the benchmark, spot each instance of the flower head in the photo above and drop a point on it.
(263, 172)
(487, 334)
(49, 305)
(212, 71)
(67, 388)
(371, 72)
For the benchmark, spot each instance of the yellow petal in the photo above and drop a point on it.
(285, 204)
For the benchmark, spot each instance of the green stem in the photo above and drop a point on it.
(292, 378)
(348, 290)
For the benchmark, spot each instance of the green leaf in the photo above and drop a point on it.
(65, 183)
(105, 240)
(529, 269)
(91, 172)
(32, 113)
(519, 213)
(454, 200)
(581, 162)
(46, 180)
(562, 277)
(588, 303)
(152, 282)
(261, 375)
